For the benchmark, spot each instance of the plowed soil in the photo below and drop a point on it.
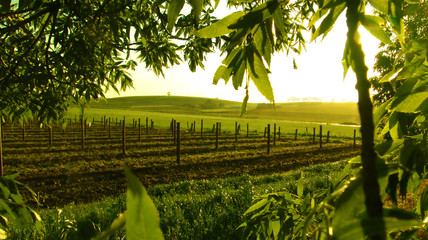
(63, 172)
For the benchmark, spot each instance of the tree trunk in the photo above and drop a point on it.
(369, 172)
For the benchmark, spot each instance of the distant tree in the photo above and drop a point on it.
(391, 55)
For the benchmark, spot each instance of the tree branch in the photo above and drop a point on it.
(369, 172)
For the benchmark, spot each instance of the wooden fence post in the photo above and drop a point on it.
(139, 129)
(202, 127)
(174, 131)
(216, 135)
(274, 134)
(178, 142)
(268, 139)
(82, 129)
(124, 137)
(109, 127)
(236, 131)
(313, 139)
(23, 131)
(50, 135)
(320, 136)
(328, 136)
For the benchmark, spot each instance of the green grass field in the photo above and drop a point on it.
(339, 118)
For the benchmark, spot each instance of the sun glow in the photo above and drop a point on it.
(319, 76)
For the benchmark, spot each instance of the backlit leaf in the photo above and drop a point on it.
(372, 25)
(244, 103)
(328, 22)
(197, 8)
(142, 220)
(174, 10)
(258, 73)
(220, 27)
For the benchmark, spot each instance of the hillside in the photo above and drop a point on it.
(328, 112)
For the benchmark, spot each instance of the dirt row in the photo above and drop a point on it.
(64, 173)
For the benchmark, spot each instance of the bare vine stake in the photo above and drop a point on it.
(139, 129)
(124, 137)
(328, 136)
(274, 134)
(50, 135)
(216, 135)
(236, 131)
(104, 122)
(320, 136)
(82, 128)
(194, 126)
(295, 135)
(109, 127)
(23, 131)
(202, 127)
(313, 139)
(268, 139)
(178, 142)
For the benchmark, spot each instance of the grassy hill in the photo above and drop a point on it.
(327, 112)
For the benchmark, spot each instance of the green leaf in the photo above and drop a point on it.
(174, 10)
(142, 220)
(328, 22)
(346, 59)
(115, 226)
(197, 8)
(222, 72)
(258, 73)
(257, 15)
(411, 103)
(300, 186)
(279, 21)
(220, 27)
(257, 206)
(423, 201)
(244, 104)
(372, 25)
(263, 38)
(380, 5)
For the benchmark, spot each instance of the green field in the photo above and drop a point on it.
(339, 118)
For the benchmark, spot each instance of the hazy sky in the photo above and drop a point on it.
(319, 73)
